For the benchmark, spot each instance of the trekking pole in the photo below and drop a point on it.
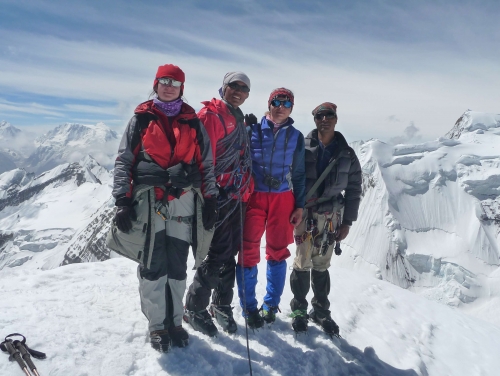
(19, 350)
(26, 356)
(15, 355)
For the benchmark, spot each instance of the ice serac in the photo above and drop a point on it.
(429, 218)
(471, 121)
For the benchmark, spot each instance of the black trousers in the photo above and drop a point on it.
(217, 271)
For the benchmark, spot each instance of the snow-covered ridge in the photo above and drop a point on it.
(41, 213)
(429, 219)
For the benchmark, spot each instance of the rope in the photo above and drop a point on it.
(234, 167)
(243, 285)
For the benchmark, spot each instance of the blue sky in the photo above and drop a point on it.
(386, 64)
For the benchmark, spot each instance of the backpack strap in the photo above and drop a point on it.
(223, 123)
(316, 185)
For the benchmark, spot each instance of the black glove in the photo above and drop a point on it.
(123, 218)
(209, 213)
(178, 176)
(222, 193)
(193, 174)
(250, 119)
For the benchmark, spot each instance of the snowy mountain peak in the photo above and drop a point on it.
(95, 170)
(472, 121)
(71, 142)
(77, 135)
(89, 162)
(8, 131)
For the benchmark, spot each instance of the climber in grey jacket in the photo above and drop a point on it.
(331, 206)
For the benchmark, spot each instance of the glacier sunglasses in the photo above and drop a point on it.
(237, 87)
(169, 81)
(277, 103)
(328, 115)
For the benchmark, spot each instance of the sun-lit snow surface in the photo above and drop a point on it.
(87, 318)
(430, 219)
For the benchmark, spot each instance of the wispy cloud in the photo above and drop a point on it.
(422, 62)
(410, 135)
(29, 108)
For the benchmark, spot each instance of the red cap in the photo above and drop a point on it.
(170, 71)
(280, 92)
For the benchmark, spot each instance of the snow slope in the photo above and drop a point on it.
(87, 318)
(39, 215)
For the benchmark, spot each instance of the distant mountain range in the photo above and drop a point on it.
(429, 219)
(67, 143)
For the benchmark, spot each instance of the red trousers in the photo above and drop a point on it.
(269, 212)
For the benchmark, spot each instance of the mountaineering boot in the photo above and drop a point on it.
(160, 340)
(255, 320)
(180, 338)
(326, 322)
(269, 313)
(299, 321)
(224, 316)
(201, 321)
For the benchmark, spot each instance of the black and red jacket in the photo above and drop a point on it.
(167, 141)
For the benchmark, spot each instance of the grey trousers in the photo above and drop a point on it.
(162, 286)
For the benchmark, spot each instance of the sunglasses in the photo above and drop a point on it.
(242, 88)
(169, 81)
(328, 115)
(277, 103)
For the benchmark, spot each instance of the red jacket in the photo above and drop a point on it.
(182, 140)
(219, 122)
(169, 144)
